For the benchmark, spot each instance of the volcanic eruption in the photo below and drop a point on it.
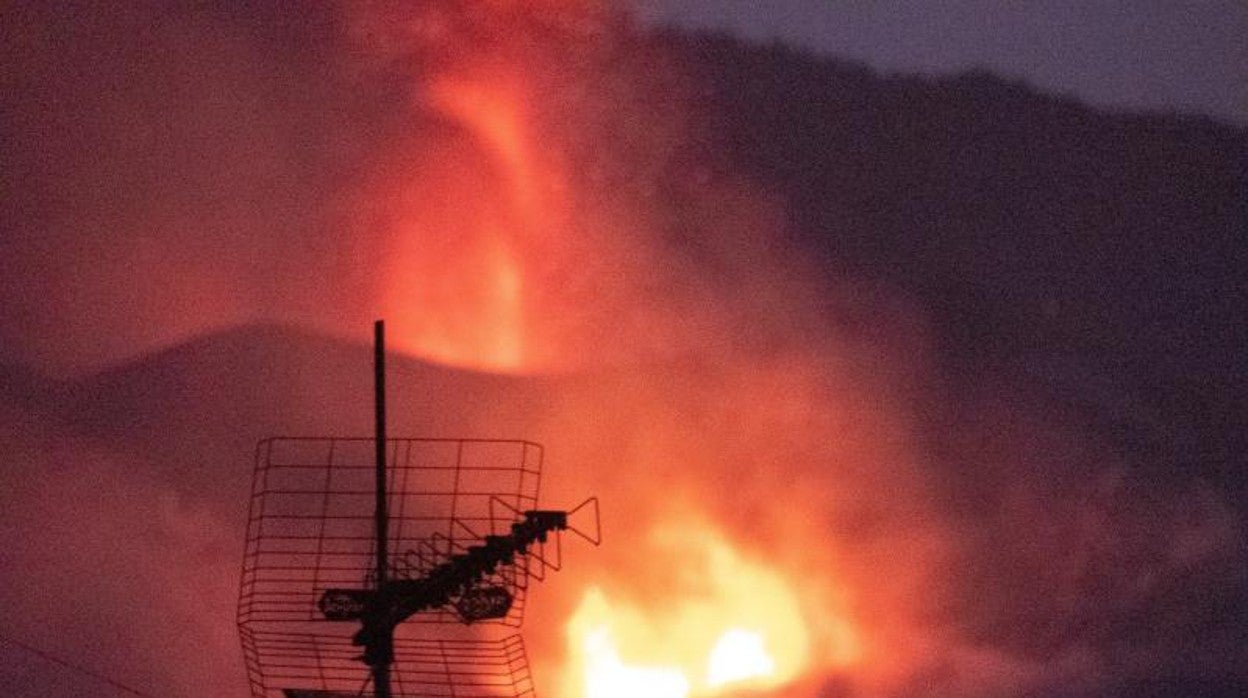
(534, 234)
(819, 476)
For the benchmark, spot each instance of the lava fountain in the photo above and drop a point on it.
(539, 227)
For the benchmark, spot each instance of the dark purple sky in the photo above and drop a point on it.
(1154, 54)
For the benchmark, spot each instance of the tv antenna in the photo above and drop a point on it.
(422, 596)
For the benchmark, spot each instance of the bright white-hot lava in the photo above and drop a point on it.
(607, 676)
(739, 655)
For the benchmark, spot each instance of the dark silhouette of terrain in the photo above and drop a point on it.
(1101, 256)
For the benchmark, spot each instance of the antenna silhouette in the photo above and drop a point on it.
(378, 641)
(377, 638)
(420, 597)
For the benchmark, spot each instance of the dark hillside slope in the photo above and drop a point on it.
(1101, 255)
(202, 404)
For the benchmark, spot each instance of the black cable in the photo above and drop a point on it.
(69, 665)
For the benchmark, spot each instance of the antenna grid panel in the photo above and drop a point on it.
(311, 547)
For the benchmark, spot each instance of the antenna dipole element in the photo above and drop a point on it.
(381, 667)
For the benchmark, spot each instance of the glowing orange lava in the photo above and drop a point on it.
(459, 263)
(495, 114)
(739, 626)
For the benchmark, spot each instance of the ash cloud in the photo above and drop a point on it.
(966, 353)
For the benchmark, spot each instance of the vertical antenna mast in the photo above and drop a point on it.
(381, 669)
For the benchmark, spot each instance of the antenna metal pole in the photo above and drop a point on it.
(381, 670)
